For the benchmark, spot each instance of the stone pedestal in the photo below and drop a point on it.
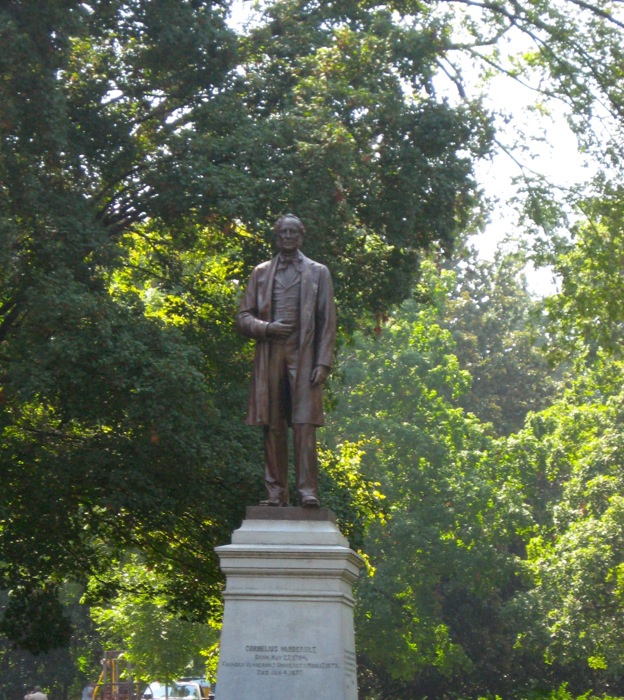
(288, 619)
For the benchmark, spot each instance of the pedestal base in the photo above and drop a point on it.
(288, 618)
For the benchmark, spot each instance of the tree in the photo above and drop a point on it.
(139, 620)
(339, 127)
(432, 612)
(146, 150)
(500, 340)
(585, 317)
(62, 672)
(106, 411)
(567, 459)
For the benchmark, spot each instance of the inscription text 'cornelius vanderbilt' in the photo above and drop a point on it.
(288, 308)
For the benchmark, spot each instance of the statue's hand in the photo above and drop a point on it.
(280, 329)
(319, 375)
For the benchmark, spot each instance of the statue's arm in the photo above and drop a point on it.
(325, 322)
(247, 321)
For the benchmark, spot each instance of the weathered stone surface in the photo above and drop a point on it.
(288, 619)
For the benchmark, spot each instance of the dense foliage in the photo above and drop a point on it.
(146, 149)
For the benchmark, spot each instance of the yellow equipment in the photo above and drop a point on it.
(115, 682)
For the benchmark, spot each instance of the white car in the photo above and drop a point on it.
(200, 688)
(160, 691)
(184, 689)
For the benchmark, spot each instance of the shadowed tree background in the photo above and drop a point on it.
(146, 149)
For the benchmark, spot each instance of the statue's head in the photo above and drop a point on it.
(289, 230)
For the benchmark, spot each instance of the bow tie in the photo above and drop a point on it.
(288, 262)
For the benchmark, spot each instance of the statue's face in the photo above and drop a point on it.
(289, 236)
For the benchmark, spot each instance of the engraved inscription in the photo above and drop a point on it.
(285, 660)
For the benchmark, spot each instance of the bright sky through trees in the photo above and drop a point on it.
(551, 151)
(533, 136)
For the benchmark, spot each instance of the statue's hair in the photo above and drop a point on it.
(289, 216)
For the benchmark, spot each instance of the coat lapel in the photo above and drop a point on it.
(265, 293)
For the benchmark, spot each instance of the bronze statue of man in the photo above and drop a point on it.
(288, 308)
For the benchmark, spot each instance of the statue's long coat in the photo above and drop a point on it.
(316, 340)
